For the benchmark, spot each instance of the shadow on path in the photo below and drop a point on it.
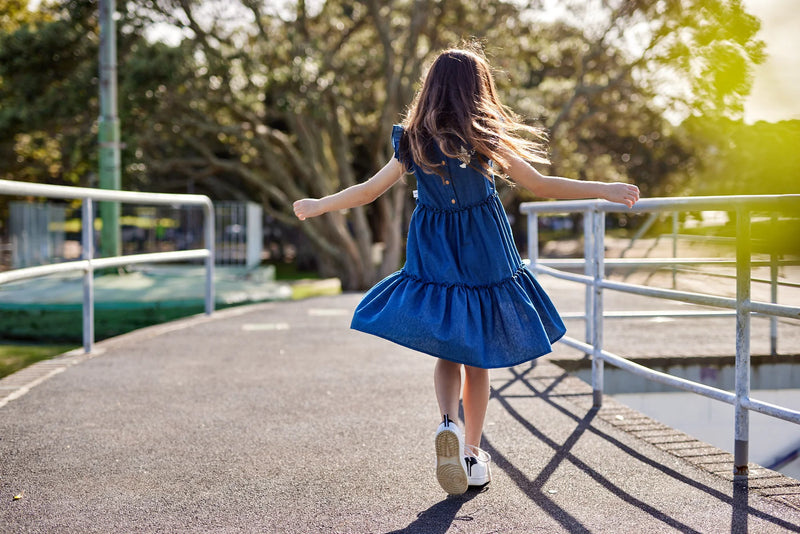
(440, 517)
(741, 491)
(740, 507)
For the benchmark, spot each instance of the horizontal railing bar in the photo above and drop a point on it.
(744, 207)
(575, 344)
(42, 270)
(687, 385)
(100, 263)
(711, 203)
(580, 278)
(780, 283)
(650, 374)
(766, 408)
(708, 238)
(87, 196)
(659, 262)
(650, 314)
(669, 380)
(154, 257)
(671, 294)
(766, 308)
(662, 313)
(62, 191)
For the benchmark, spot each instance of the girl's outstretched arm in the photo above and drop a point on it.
(356, 195)
(563, 188)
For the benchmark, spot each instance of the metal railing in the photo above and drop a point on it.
(89, 263)
(594, 212)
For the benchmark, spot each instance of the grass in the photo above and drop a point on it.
(15, 356)
(303, 289)
(289, 271)
(305, 284)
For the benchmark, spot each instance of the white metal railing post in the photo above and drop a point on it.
(208, 221)
(598, 255)
(87, 253)
(742, 385)
(674, 247)
(588, 270)
(773, 285)
(533, 238)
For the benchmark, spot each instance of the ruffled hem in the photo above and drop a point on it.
(492, 326)
(491, 285)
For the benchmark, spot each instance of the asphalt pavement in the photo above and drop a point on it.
(277, 418)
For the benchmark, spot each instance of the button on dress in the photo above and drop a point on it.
(463, 294)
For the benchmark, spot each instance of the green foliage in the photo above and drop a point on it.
(49, 94)
(278, 101)
(16, 13)
(610, 83)
(740, 159)
(48, 83)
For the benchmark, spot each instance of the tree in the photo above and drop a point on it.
(280, 101)
(45, 86)
(300, 103)
(610, 82)
(49, 92)
(742, 159)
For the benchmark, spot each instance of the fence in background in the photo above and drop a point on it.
(89, 263)
(240, 233)
(31, 230)
(594, 263)
(40, 233)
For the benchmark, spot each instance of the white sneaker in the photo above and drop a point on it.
(451, 469)
(479, 473)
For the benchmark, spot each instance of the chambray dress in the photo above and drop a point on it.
(463, 294)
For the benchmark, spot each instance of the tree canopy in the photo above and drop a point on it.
(278, 101)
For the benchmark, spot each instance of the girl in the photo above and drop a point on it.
(463, 295)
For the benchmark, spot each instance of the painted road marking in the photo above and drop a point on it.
(253, 327)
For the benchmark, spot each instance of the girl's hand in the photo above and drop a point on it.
(621, 193)
(307, 207)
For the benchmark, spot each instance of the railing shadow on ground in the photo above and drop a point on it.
(739, 516)
(741, 510)
(440, 517)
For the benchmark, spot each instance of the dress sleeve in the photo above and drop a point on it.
(397, 134)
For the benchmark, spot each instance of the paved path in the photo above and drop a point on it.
(278, 418)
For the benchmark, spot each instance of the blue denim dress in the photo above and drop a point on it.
(463, 294)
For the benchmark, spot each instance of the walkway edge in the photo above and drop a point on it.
(22, 381)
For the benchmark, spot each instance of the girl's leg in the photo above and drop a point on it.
(447, 382)
(476, 399)
(451, 464)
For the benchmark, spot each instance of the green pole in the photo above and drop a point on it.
(108, 128)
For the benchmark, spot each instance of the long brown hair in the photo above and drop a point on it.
(458, 109)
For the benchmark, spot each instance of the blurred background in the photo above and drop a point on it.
(268, 101)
